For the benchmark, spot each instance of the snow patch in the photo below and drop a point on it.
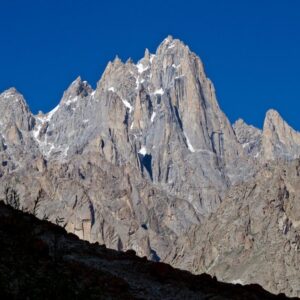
(152, 56)
(85, 121)
(237, 281)
(65, 153)
(72, 100)
(153, 116)
(176, 66)
(7, 94)
(190, 146)
(245, 145)
(36, 132)
(43, 145)
(112, 89)
(180, 76)
(159, 92)
(141, 68)
(143, 150)
(171, 46)
(138, 80)
(50, 114)
(128, 105)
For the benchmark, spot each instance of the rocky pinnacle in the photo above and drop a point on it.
(146, 161)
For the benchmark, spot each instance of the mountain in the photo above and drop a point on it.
(40, 260)
(148, 161)
(254, 234)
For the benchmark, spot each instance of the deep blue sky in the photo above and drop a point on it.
(250, 48)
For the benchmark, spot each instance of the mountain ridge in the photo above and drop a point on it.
(145, 160)
(61, 266)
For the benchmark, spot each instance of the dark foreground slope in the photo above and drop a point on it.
(39, 260)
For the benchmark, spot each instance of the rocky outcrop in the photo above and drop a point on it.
(101, 202)
(155, 130)
(249, 137)
(279, 139)
(254, 234)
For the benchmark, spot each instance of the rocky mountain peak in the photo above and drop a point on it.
(238, 123)
(273, 119)
(273, 114)
(13, 96)
(147, 54)
(11, 92)
(280, 140)
(78, 88)
(15, 111)
(117, 62)
(170, 46)
(243, 131)
(142, 159)
(249, 137)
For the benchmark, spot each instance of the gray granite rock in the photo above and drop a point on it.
(254, 234)
(250, 137)
(279, 139)
(145, 161)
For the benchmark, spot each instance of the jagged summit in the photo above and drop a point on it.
(15, 115)
(239, 121)
(14, 95)
(143, 160)
(171, 72)
(171, 43)
(249, 137)
(272, 113)
(279, 139)
(78, 88)
(9, 92)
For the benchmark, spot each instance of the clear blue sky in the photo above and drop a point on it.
(251, 49)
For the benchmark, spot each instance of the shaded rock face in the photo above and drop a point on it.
(40, 260)
(250, 138)
(139, 162)
(163, 107)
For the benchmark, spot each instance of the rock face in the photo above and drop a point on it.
(279, 139)
(142, 162)
(250, 138)
(40, 260)
(254, 234)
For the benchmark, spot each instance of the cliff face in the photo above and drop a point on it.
(254, 234)
(142, 160)
(39, 260)
(279, 139)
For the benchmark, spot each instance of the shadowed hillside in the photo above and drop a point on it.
(40, 260)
